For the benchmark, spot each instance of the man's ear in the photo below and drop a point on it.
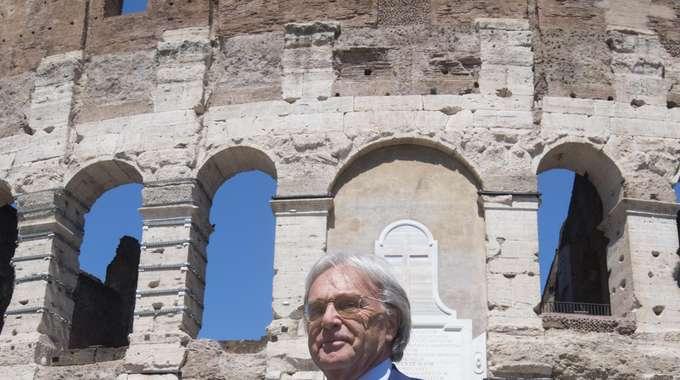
(392, 326)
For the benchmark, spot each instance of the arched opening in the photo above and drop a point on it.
(240, 182)
(578, 186)
(8, 244)
(427, 185)
(104, 297)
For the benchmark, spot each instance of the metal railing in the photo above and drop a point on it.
(576, 308)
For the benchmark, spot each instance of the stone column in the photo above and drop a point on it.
(171, 282)
(513, 280)
(307, 60)
(643, 262)
(38, 318)
(301, 225)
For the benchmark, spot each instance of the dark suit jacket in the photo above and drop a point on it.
(396, 375)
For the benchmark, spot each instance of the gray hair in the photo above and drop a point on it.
(378, 271)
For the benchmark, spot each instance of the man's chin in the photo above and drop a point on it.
(335, 356)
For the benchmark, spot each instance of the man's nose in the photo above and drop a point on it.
(330, 316)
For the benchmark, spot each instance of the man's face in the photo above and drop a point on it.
(348, 344)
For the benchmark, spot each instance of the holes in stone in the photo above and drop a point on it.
(622, 284)
(610, 98)
(658, 309)
(337, 94)
(572, 95)
(672, 104)
(621, 258)
(445, 71)
(656, 253)
(475, 85)
(637, 103)
(368, 72)
(433, 91)
(650, 274)
(28, 130)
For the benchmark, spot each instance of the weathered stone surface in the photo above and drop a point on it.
(209, 359)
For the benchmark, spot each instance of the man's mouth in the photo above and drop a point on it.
(334, 342)
(331, 345)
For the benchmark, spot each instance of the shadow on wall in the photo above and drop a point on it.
(103, 312)
(8, 244)
(676, 272)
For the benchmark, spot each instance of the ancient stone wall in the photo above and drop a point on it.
(189, 93)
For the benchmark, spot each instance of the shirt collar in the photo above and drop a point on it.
(380, 372)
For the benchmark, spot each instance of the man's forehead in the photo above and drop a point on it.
(342, 279)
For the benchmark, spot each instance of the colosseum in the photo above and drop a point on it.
(410, 129)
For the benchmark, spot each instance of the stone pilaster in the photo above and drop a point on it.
(308, 60)
(512, 272)
(38, 318)
(507, 59)
(171, 283)
(641, 258)
(301, 225)
(183, 56)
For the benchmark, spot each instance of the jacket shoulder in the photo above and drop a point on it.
(397, 375)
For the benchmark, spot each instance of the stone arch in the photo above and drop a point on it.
(367, 149)
(228, 162)
(583, 158)
(89, 182)
(8, 244)
(400, 180)
(228, 169)
(103, 309)
(579, 276)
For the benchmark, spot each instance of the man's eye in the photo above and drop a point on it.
(316, 309)
(348, 304)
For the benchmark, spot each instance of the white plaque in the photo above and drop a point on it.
(441, 346)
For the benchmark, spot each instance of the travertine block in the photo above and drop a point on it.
(388, 103)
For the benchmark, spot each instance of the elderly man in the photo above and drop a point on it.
(358, 318)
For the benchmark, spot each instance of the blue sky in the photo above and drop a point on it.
(132, 6)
